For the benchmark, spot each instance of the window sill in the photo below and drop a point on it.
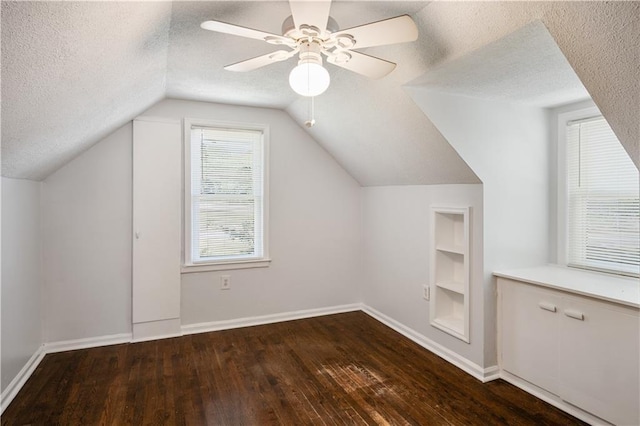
(225, 266)
(612, 288)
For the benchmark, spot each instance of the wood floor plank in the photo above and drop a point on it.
(333, 370)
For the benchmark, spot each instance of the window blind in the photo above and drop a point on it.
(603, 200)
(226, 194)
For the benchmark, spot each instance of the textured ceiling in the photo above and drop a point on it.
(74, 71)
(197, 57)
(599, 40)
(524, 67)
(371, 127)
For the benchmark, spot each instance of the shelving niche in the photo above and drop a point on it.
(449, 304)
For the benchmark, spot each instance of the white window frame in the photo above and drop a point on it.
(579, 111)
(235, 263)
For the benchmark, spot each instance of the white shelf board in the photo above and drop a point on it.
(453, 325)
(455, 249)
(454, 286)
(451, 322)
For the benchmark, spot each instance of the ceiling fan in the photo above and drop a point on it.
(312, 33)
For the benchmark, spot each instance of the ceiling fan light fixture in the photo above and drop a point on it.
(309, 77)
(311, 32)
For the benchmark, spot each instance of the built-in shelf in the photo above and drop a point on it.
(455, 286)
(450, 322)
(449, 306)
(456, 249)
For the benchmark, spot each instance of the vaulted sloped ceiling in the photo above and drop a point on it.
(74, 71)
(599, 40)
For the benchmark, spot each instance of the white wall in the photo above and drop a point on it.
(396, 241)
(318, 227)
(21, 275)
(86, 212)
(591, 34)
(314, 227)
(507, 146)
(87, 205)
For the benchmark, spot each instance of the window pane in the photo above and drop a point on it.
(604, 200)
(226, 173)
(226, 227)
(227, 167)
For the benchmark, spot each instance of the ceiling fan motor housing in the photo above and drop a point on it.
(310, 52)
(289, 27)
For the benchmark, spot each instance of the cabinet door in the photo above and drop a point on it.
(529, 333)
(599, 359)
(157, 154)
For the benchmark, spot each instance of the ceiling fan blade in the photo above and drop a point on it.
(310, 12)
(223, 27)
(366, 65)
(260, 61)
(389, 31)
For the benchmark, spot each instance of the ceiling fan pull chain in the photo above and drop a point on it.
(312, 120)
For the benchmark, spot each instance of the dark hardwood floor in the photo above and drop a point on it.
(333, 370)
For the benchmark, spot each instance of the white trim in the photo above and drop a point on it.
(550, 398)
(21, 378)
(225, 266)
(156, 330)
(435, 266)
(204, 327)
(561, 116)
(188, 263)
(482, 374)
(89, 342)
(491, 373)
(156, 337)
(53, 347)
(158, 119)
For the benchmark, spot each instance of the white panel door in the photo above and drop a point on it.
(600, 359)
(529, 333)
(157, 162)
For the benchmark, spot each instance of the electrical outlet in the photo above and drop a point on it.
(426, 292)
(225, 282)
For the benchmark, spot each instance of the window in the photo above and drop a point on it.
(225, 195)
(602, 198)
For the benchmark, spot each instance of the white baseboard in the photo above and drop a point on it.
(204, 327)
(156, 330)
(552, 399)
(491, 373)
(21, 378)
(90, 342)
(482, 374)
(115, 339)
(473, 369)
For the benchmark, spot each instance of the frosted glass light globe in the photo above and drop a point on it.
(309, 79)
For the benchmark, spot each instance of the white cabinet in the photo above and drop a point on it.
(583, 350)
(599, 359)
(449, 307)
(157, 161)
(529, 338)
